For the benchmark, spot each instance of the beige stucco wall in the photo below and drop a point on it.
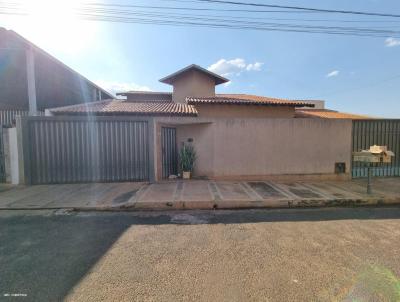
(200, 134)
(243, 111)
(192, 83)
(256, 148)
(249, 147)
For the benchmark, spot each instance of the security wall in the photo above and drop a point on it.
(257, 148)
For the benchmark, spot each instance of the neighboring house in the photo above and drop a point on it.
(236, 136)
(32, 80)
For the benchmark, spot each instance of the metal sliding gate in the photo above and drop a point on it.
(85, 150)
(377, 132)
(169, 152)
(2, 159)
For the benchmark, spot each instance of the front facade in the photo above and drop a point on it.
(236, 136)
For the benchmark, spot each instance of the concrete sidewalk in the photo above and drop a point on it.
(199, 194)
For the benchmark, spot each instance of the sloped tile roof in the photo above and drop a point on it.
(172, 77)
(140, 92)
(329, 114)
(112, 107)
(246, 99)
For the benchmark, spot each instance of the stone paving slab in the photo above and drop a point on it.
(265, 190)
(196, 191)
(199, 194)
(232, 191)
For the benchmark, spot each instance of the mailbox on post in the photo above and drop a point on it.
(374, 156)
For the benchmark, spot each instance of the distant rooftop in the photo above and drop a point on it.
(141, 92)
(328, 114)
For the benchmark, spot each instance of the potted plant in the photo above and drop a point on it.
(187, 158)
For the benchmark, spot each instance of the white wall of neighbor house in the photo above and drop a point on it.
(11, 155)
(255, 148)
(14, 163)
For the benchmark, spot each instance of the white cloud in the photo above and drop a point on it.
(333, 73)
(391, 42)
(115, 87)
(227, 84)
(236, 66)
(256, 66)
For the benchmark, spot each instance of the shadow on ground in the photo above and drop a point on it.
(45, 255)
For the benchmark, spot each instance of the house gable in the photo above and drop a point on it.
(193, 81)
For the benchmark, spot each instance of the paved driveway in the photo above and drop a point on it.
(347, 254)
(68, 195)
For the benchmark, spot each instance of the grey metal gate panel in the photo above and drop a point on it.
(87, 150)
(2, 158)
(377, 132)
(7, 117)
(169, 152)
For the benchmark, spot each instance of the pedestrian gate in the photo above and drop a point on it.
(377, 132)
(169, 152)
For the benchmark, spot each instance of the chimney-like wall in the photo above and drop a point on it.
(193, 83)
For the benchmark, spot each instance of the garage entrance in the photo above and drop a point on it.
(87, 149)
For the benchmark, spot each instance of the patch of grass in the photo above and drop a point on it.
(376, 283)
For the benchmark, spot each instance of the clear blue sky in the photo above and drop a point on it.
(364, 71)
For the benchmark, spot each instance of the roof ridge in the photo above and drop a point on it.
(220, 79)
(247, 101)
(144, 92)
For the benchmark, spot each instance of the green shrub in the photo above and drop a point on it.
(187, 158)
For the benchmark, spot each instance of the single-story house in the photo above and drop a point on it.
(235, 135)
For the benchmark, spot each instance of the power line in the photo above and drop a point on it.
(95, 12)
(303, 8)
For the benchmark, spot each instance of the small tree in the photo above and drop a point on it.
(187, 157)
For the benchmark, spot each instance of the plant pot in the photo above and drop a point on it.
(186, 175)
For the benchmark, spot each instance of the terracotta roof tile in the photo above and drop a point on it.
(329, 114)
(111, 107)
(246, 99)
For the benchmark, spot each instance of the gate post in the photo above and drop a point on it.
(152, 153)
(23, 143)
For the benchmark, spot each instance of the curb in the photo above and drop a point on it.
(227, 204)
